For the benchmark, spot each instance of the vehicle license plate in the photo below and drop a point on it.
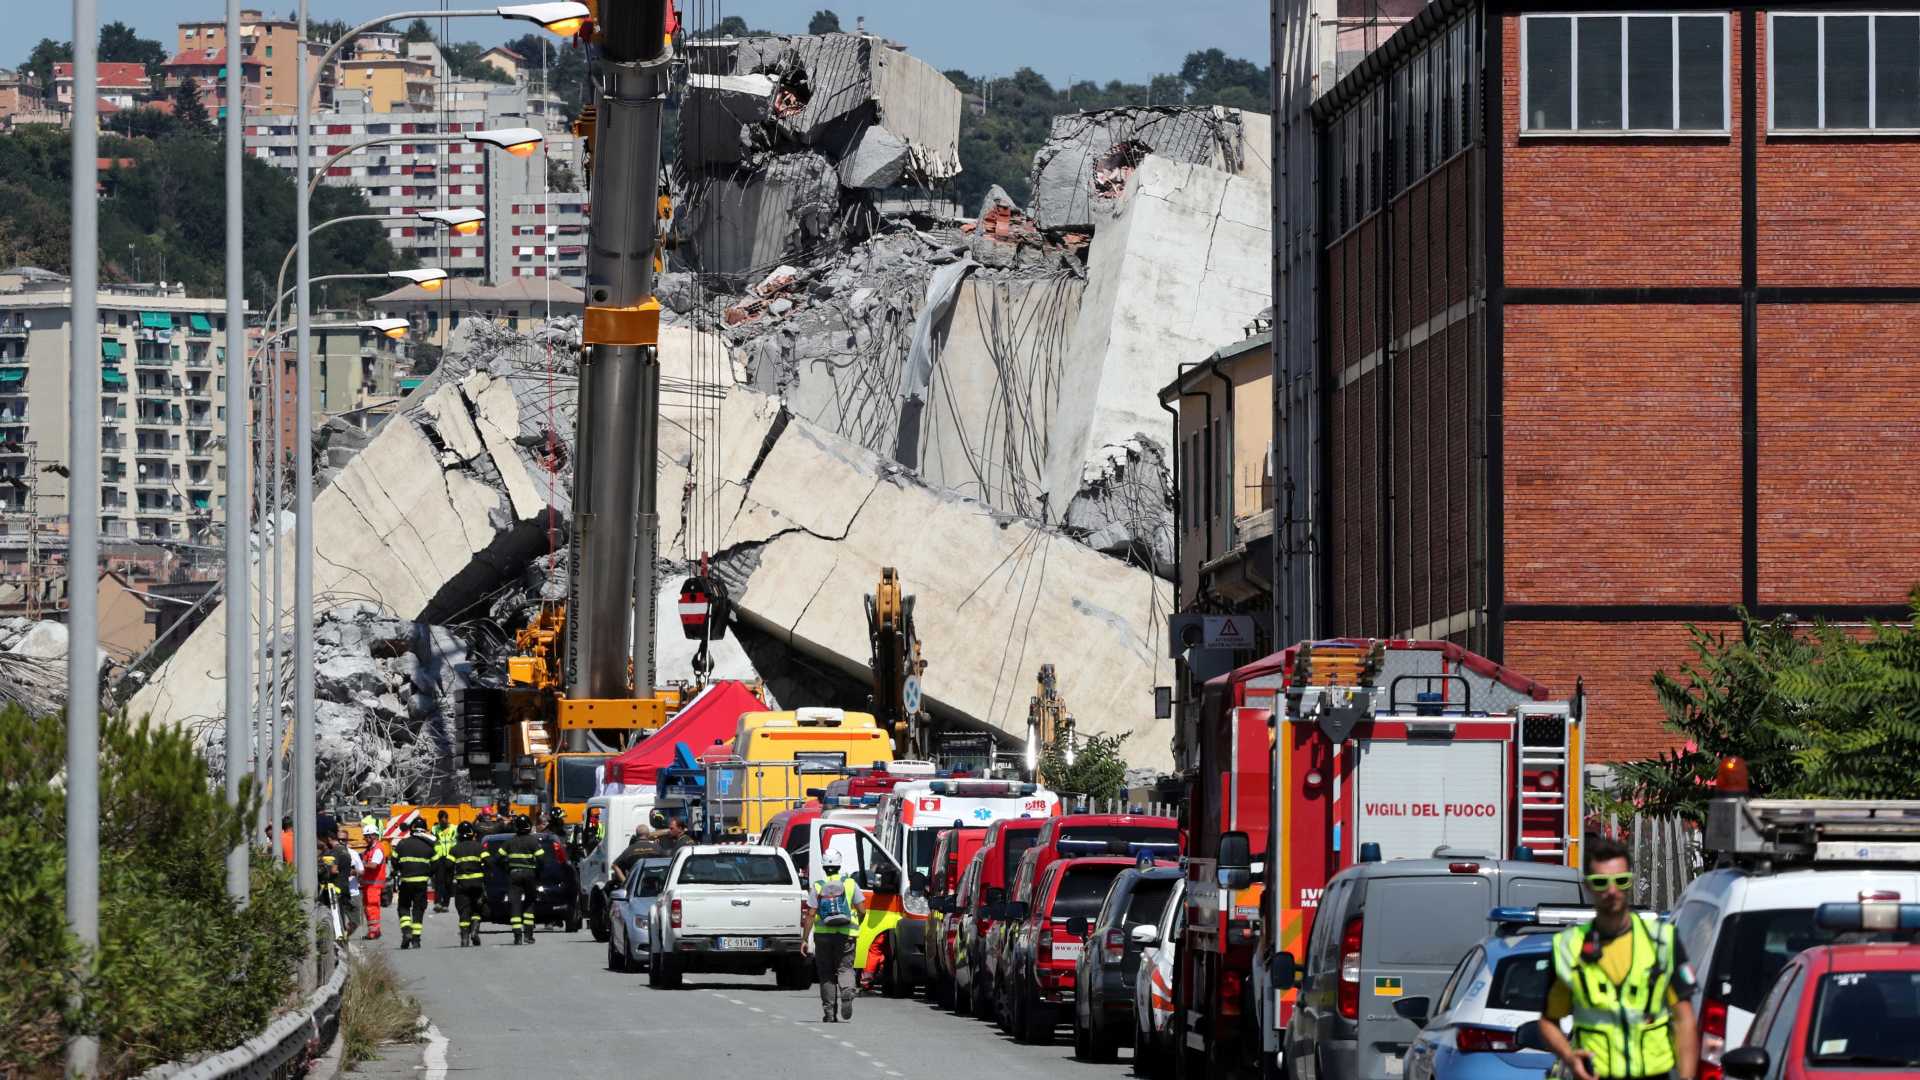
(1068, 950)
(742, 944)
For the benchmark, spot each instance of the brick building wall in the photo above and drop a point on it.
(1685, 372)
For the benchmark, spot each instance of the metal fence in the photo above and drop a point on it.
(1666, 855)
(1078, 805)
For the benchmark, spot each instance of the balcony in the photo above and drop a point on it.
(15, 327)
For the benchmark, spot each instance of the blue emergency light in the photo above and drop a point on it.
(1370, 852)
(1515, 918)
(1867, 915)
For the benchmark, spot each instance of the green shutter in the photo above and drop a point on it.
(113, 380)
(9, 376)
(411, 383)
(156, 320)
(112, 350)
(200, 324)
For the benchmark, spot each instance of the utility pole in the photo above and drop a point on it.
(83, 517)
(239, 591)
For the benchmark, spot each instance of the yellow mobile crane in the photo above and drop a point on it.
(1048, 721)
(582, 682)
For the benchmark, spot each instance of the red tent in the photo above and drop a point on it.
(713, 714)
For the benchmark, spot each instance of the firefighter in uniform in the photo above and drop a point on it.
(335, 867)
(413, 860)
(469, 883)
(524, 855)
(443, 840)
(1625, 981)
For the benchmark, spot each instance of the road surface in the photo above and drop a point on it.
(553, 1009)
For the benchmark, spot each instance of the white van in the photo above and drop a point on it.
(608, 826)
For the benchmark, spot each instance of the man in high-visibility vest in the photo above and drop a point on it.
(444, 837)
(1625, 981)
(413, 860)
(373, 879)
(524, 854)
(469, 883)
(832, 916)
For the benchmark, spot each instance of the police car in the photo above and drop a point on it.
(1472, 1030)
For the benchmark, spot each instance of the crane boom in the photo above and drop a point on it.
(614, 483)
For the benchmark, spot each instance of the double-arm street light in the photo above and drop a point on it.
(564, 17)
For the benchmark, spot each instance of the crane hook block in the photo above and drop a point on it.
(637, 325)
(704, 607)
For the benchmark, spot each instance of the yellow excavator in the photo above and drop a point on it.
(897, 666)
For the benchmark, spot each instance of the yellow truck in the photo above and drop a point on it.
(779, 757)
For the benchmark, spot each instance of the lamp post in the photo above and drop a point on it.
(83, 494)
(564, 17)
(239, 580)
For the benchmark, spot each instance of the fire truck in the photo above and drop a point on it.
(1292, 762)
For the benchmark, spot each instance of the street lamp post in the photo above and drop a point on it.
(239, 579)
(83, 493)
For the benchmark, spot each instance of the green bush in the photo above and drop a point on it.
(1099, 770)
(181, 969)
(1816, 711)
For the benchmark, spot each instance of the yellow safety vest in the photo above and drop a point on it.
(820, 888)
(1628, 1028)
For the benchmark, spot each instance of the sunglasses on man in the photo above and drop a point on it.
(1599, 882)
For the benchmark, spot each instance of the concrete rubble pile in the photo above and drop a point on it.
(787, 142)
(1016, 359)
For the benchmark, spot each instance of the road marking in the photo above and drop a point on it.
(435, 1056)
(862, 1053)
(755, 1008)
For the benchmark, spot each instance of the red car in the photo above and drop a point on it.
(1046, 936)
(952, 853)
(1844, 1011)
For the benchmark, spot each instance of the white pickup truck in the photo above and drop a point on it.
(732, 908)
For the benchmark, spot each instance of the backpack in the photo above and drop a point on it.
(831, 905)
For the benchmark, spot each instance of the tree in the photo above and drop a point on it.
(418, 31)
(327, 31)
(823, 22)
(731, 26)
(189, 111)
(120, 45)
(560, 177)
(1815, 711)
(142, 122)
(1098, 771)
(41, 60)
(464, 60)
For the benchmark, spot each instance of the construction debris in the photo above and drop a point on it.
(1084, 165)
(33, 665)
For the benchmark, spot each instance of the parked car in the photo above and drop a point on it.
(1103, 977)
(557, 896)
(1475, 1027)
(953, 853)
(1389, 930)
(1841, 1012)
(1049, 934)
(1006, 844)
(632, 912)
(732, 908)
(1153, 990)
(969, 917)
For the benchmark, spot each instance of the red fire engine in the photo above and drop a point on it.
(1293, 761)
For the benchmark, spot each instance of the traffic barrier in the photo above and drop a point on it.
(282, 1050)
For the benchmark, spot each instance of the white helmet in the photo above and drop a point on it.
(830, 861)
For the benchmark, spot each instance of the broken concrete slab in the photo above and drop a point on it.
(830, 87)
(997, 595)
(1084, 164)
(1181, 267)
(786, 210)
(722, 114)
(877, 160)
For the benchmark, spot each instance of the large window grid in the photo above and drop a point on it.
(1418, 118)
(1843, 71)
(1624, 73)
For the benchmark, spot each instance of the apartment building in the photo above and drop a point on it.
(392, 81)
(121, 85)
(18, 94)
(208, 70)
(161, 404)
(404, 178)
(275, 44)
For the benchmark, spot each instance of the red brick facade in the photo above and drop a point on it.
(1657, 456)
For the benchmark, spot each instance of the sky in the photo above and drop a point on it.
(1131, 40)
